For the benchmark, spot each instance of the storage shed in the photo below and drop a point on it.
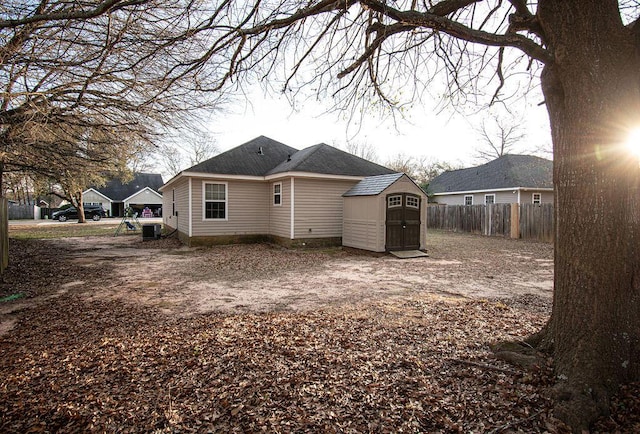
(385, 213)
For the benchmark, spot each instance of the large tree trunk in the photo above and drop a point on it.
(592, 93)
(77, 197)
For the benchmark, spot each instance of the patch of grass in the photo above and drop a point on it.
(66, 230)
(11, 297)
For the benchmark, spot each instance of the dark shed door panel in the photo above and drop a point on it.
(403, 221)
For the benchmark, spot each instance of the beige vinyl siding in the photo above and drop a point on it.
(509, 196)
(363, 226)
(181, 221)
(95, 198)
(144, 197)
(280, 215)
(319, 206)
(247, 211)
(455, 199)
(504, 196)
(546, 196)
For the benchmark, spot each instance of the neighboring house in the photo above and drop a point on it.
(266, 190)
(139, 193)
(508, 179)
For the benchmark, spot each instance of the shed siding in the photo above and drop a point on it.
(247, 209)
(365, 217)
(362, 228)
(144, 197)
(319, 207)
(280, 216)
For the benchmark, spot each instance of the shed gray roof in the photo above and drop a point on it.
(508, 171)
(117, 191)
(373, 185)
(263, 156)
(253, 158)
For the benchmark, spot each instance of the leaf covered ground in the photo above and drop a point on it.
(419, 362)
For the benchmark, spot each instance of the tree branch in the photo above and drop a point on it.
(65, 15)
(460, 31)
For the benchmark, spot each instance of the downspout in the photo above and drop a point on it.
(293, 210)
(190, 223)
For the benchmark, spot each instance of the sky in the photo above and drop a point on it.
(439, 136)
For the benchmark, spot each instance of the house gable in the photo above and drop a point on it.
(146, 195)
(91, 193)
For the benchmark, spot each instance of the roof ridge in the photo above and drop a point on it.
(310, 151)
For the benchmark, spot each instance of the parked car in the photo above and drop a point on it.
(94, 212)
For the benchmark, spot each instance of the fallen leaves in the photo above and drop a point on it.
(420, 363)
(106, 365)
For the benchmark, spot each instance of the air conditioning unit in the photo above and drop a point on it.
(151, 232)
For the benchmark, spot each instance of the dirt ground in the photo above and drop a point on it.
(104, 334)
(184, 281)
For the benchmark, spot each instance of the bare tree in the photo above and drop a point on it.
(421, 169)
(185, 151)
(362, 150)
(85, 85)
(403, 163)
(500, 138)
(584, 54)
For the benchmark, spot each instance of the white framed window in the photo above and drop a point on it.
(468, 199)
(214, 196)
(413, 202)
(277, 194)
(394, 201)
(489, 199)
(536, 198)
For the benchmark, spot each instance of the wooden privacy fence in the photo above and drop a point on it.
(21, 212)
(527, 221)
(4, 234)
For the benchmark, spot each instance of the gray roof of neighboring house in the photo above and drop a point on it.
(508, 171)
(254, 158)
(373, 185)
(117, 191)
(263, 156)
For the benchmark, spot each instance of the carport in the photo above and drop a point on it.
(385, 213)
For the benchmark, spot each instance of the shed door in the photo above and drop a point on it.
(403, 222)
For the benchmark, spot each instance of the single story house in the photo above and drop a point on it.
(141, 194)
(264, 190)
(508, 179)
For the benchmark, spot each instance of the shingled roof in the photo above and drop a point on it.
(263, 156)
(253, 158)
(508, 171)
(328, 160)
(117, 191)
(373, 185)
